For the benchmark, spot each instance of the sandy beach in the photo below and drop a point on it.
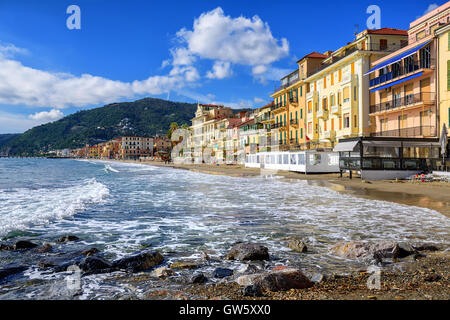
(433, 195)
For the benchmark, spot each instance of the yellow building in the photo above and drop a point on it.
(443, 76)
(338, 96)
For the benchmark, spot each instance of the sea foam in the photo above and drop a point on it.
(22, 207)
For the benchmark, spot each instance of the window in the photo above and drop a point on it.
(340, 123)
(301, 113)
(346, 120)
(309, 127)
(296, 115)
(340, 75)
(383, 44)
(346, 95)
(354, 93)
(332, 100)
(332, 79)
(315, 85)
(355, 121)
(420, 35)
(325, 82)
(301, 132)
(332, 124)
(325, 125)
(301, 91)
(448, 75)
(352, 68)
(309, 106)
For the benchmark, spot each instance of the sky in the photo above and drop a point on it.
(223, 52)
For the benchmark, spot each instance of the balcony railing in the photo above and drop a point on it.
(410, 99)
(278, 125)
(403, 70)
(293, 99)
(421, 131)
(293, 121)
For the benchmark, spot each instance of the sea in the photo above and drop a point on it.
(123, 208)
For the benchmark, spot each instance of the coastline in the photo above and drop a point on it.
(431, 195)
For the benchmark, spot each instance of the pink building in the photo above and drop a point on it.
(403, 84)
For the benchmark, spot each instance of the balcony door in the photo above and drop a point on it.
(425, 122)
(425, 89)
(402, 124)
(396, 95)
(383, 44)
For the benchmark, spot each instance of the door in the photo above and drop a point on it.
(402, 125)
(383, 44)
(425, 89)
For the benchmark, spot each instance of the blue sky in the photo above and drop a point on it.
(228, 52)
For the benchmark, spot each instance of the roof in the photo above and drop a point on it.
(314, 55)
(233, 122)
(266, 106)
(246, 122)
(390, 31)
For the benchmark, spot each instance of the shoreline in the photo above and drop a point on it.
(430, 195)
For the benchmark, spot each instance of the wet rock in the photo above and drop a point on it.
(68, 238)
(162, 272)
(5, 247)
(199, 278)
(45, 248)
(24, 244)
(139, 262)
(426, 247)
(90, 252)
(184, 265)
(298, 245)
(11, 269)
(95, 264)
(205, 256)
(222, 272)
(248, 251)
(60, 263)
(249, 269)
(378, 250)
(277, 280)
(252, 291)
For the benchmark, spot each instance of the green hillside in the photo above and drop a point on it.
(143, 117)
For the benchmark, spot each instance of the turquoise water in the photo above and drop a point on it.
(121, 208)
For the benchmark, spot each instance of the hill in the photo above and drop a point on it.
(145, 117)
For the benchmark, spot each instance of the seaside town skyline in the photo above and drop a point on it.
(180, 67)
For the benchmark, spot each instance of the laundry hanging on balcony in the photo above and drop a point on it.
(399, 57)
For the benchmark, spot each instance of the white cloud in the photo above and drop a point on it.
(9, 50)
(430, 8)
(20, 84)
(227, 40)
(258, 100)
(47, 116)
(16, 123)
(220, 70)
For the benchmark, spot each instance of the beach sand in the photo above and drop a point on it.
(433, 195)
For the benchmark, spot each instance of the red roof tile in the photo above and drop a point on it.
(388, 31)
(314, 55)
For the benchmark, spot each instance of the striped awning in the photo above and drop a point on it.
(399, 57)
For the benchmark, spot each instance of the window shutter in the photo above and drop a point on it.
(448, 75)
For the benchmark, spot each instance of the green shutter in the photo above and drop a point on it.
(301, 133)
(448, 75)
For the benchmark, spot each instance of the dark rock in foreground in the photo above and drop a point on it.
(24, 244)
(252, 291)
(45, 248)
(90, 252)
(199, 278)
(11, 269)
(222, 272)
(277, 280)
(248, 251)
(139, 262)
(93, 264)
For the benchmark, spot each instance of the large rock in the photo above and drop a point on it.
(381, 249)
(95, 264)
(298, 245)
(199, 278)
(276, 280)
(222, 272)
(45, 248)
(11, 269)
(163, 272)
(5, 247)
(248, 251)
(24, 244)
(139, 262)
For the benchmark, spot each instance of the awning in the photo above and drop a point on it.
(394, 144)
(397, 82)
(398, 57)
(347, 146)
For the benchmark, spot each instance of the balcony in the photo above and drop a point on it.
(278, 125)
(293, 100)
(404, 70)
(329, 135)
(309, 95)
(421, 131)
(336, 110)
(411, 100)
(293, 122)
(347, 132)
(322, 114)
